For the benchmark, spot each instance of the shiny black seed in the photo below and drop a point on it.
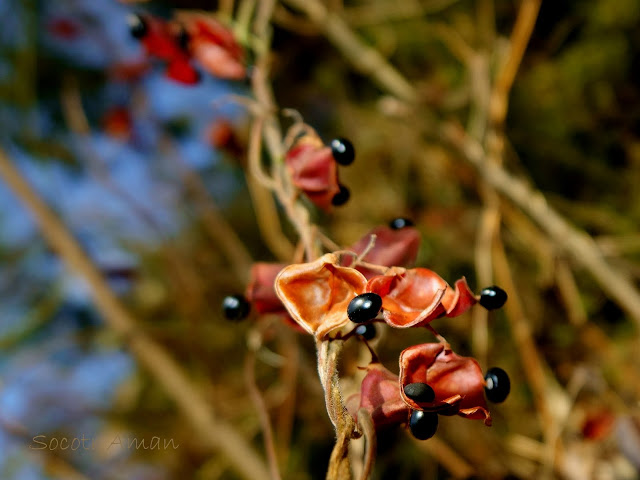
(398, 223)
(342, 151)
(497, 385)
(137, 26)
(235, 307)
(366, 331)
(493, 297)
(364, 307)
(419, 392)
(341, 197)
(423, 425)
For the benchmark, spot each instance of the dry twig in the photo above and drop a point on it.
(215, 433)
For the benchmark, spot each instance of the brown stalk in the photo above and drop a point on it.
(365, 424)
(263, 414)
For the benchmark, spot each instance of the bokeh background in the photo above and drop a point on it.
(134, 165)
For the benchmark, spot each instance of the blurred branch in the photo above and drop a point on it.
(216, 434)
(390, 11)
(457, 466)
(214, 223)
(289, 374)
(456, 44)
(258, 402)
(364, 58)
(492, 115)
(521, 331)
(527, 15)
(576, 243)
(614, 245)
(294, 23)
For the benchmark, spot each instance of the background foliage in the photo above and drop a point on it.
(124, 155)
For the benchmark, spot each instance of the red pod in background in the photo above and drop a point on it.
(181, 70)
(155, 35)
(261, 290)
(160, 40)
(392, 247)
(212, 45)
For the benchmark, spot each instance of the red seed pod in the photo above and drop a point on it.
(317, 294)
(117, 123)
(313, 170)
(457, 381)
(598, 424)
(222, 135)
(397, 247)
(64, 28)
(181, 70)
(417, 296)
(261, 290)
(213, 46)
(157, 37)
(380, 396)
(261, 293)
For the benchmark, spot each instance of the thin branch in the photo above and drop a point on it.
(216, 433)
(485, 103)
(263, 17)
(255, 157)
(521, 331)
(454, 42)
(386, 12)
(263, 414)
(268, 220)
(527, 15)
(225, 8)
(289, 373)
(489, 226)
(574, 242)
(364, 58)
(447, 457)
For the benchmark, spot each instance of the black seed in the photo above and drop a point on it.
(366, 331)
(364, 307)
(398, 223)
(137, 26)
(419, 392)
(497, 385)
(493, 297)
(235, 307)
(423, 425)
(341, 197)
(342, 151)
(183, 39)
